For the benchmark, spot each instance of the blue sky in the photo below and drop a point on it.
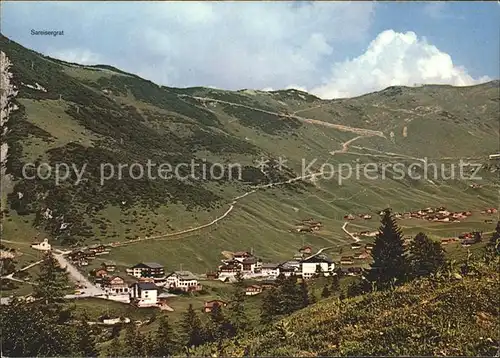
(330, 49)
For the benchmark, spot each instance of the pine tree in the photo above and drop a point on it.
(133, 342)
(85, 343)
(335, 283)
(165, 342)
(238, 318)
(304, 293)
(326, 292)
(426, 256)
(192, 328)
(52, 282)
(493, 246)
(291, 296)
(389, 262)
(219, 327)
(270, 305)
(115, 348)
(312, 297)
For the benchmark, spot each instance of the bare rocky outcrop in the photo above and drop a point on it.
(8, 92)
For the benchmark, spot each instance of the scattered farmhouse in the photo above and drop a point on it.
(253, 290)
(288, 268)
(144, 294)
(209, 305)
(270, 269)
(346, 260)
(183, 280)
(42, 246)
(99, 249)
(109, 267)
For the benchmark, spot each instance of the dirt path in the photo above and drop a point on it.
(339, 127)
(345, 145)
(344, 229)
(216, 220)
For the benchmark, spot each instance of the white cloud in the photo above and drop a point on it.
(393, 59)
(246, 45)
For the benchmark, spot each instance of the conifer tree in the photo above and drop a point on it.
(493, 246)
(133, 342)
(326, 292)
(165, 341)
(270, 305)
(219, 326)
(426, 256)
(389, 262)
(52, 282)
(304, 293)
(335, 283)
(238, 318)
(115, 348)
(192, 328)
(290, 296)
(312, 297)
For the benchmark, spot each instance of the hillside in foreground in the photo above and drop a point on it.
(449, 316)
(94, 115)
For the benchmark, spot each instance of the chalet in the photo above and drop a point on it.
(115, 286)
(355, 246)
(299, 256)
(267, 284)
(343, 271)
(253, 290)
(89, 255)
(82, 262)
(369, 247)
(109, 267)
(230, 268)
(362, 255)
(367, 217)
(270, 269)
(99, 249)
(147, 269)
(241, 255)
(100, 273)
(183, 280)
(315, 264)
(346, 260)
(289, 268)
(468, 242)
(251, 265)
(304, 229)
(306, 250)
(76, 255)
(349, 217)
(42, 246)
(211, 275)
(144, 294)
(354, 271)
(209, 305)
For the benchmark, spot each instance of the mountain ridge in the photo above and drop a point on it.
(96, 116)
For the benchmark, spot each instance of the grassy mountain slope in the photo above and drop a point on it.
(429, 317)
(98, 114)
